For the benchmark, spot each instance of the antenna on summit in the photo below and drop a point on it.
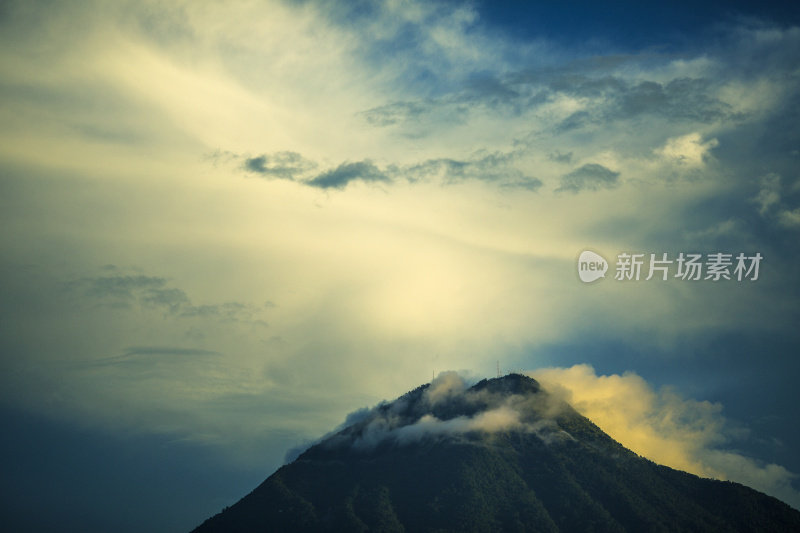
(498, 368)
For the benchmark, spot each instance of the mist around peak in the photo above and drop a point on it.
(450, 408)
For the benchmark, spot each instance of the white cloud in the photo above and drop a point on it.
(769, 193)
(789, 218)
(446, 385)
(666, 428)
(496, 412)
(769, 200)
(687, 150)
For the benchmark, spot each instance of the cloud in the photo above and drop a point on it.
(129, 291)
(613, 98)
(789, 218)
(607, 95)
(283, 165)
(445, 386)
(436, 411)
(769, 193)
(558, 157)
(292, 166)
(575, 121)
(125, 290)
(394, 113)
(503, 418)
(172, 299)
(607, 99)
(167, 350)
(119, 286)
(687, 150)
(590, 177)
(495, 167)
(771, 204)
(346, 173)
(679, 99)
(490, 90)
(526, 183)
(666, 428)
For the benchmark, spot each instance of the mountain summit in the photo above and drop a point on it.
(502, 455)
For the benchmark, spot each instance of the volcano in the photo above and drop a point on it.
(502, 455)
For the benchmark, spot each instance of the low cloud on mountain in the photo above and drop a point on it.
(689, 435)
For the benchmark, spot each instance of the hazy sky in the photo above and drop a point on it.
(226, 226)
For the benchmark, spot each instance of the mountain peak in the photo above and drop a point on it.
(449, 409)
(510, 384)
(501, 455)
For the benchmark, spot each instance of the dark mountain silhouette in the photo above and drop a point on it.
(503, 455)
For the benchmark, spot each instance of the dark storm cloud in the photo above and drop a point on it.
(591, 177)
(282, 165)
(345, 173)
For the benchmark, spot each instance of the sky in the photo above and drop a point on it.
(225, 227)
